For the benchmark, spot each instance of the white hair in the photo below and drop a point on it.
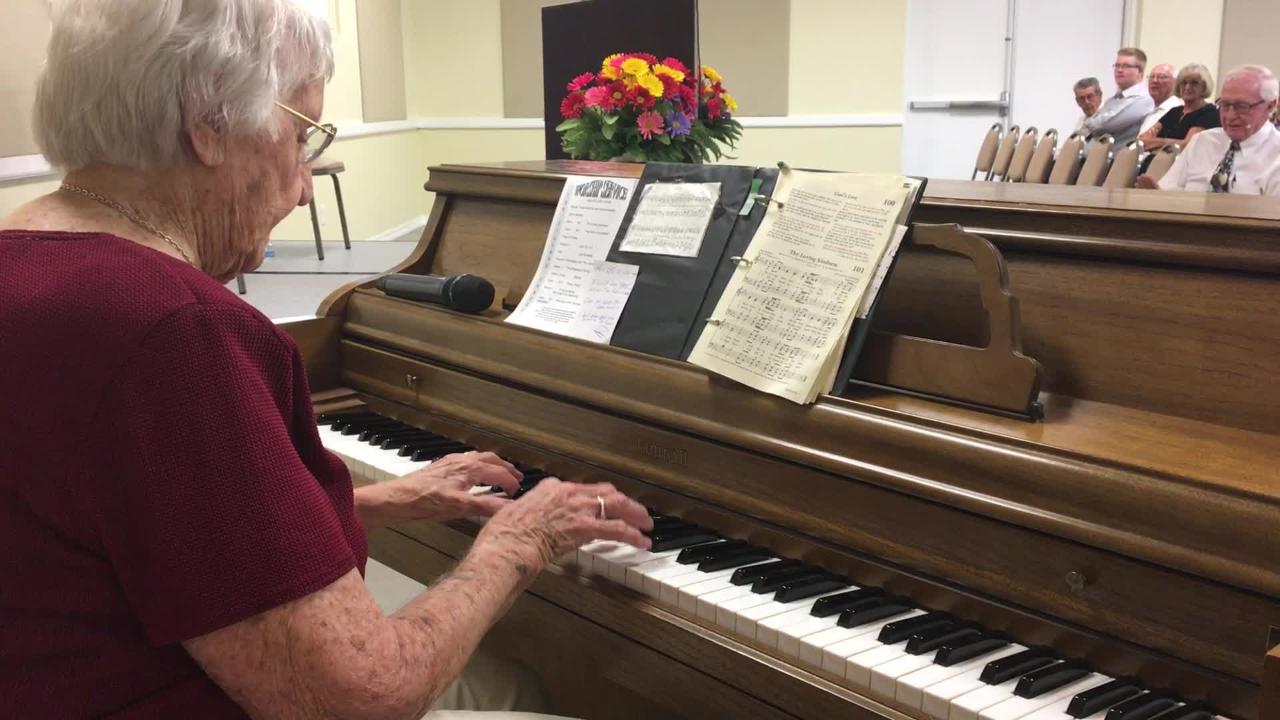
(123, 76)
(1268, 85)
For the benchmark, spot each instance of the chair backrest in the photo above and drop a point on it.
(1004, 154)
(1067, 167)
(1042, 159)
(1096, 161)
(987, 151)
(1163, 160)
(1017, 170)
(1124, 167)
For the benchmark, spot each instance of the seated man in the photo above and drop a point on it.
(1160, 85)
(1122, 114)
(1088, 98)
(1242, 156)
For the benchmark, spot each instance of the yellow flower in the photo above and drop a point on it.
(669, 72)
(711, 74)
(610, 72)
(635, 66)
(652, 84)
(728, 100)
(608, 62)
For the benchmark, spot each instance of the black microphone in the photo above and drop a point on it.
(467, 293)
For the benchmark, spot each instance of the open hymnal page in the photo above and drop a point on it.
(586, 221)
(785, 315)
(671, 218)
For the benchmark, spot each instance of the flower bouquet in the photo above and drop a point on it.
(638, 108)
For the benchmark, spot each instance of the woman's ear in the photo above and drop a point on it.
(207, 142)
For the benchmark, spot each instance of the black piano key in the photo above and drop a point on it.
(375, 437)
(801, 589)
(680, 530)
(331, 418)
(930, 640)
(1102, 697)
(902, 630)
(872, 613)
(403, 442)
(748, 575)
(425, 444)
(666, 521)
(1188, 711)
(1142, 707)
(838, 603)
(344, 421)
(775, 582)
(682, 541)
(695, 555)
(1016, 665)
(355, 427)
(1051, 677)
(968, 649)
(733, 560)
(439, 452)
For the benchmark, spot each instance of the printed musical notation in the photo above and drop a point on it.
(782, 322)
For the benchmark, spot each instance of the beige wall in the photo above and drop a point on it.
(846, 59)
(1180, 32)
(1249, 34)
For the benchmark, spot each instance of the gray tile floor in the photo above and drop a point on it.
(294, 281)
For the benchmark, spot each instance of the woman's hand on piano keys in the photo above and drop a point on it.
(440, 491)
(557, 517)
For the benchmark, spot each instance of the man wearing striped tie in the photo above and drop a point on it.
(1242, 156)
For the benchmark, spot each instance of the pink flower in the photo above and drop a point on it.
(714, 108)
(581, 81)
(571, 106)
(598, 97)
(675, 64)
(650, 124)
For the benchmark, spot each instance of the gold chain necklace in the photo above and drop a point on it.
(130, 215)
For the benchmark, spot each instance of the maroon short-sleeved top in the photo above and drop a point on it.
(160, 477)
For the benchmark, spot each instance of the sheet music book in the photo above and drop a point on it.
(785, 317)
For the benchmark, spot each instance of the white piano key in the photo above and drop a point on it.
(884, 677)
(750, 618)
(911, 687)
(857, 668)
(615, 563)
(828, 648)
(937, 698)
(1019, 707)
(969, 705)
(637, 573)
(727, 613)
(585, 557)
(656, 580)
(789, 637)
(670, 593)
(710, 603)
(691, 596)
(796, 611)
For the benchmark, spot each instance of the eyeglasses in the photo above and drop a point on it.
(1125, 66)
(316, 141)
(1239, 108)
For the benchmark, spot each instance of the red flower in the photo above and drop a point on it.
(571, 106)
(617, 95)
(581, 81)
(688, 98)
(669, 86)
(675, 64)
(639, 98)
(714, 108)
(647, 57)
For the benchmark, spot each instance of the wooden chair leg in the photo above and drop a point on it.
(240, 283)
(342, 211)
(315, 227)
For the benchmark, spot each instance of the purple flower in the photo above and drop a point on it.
(678, 124)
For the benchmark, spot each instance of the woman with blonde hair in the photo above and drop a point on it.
(1194, 85)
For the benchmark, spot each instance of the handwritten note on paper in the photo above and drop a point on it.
(671, 219)
(582, 231)
(606, 297)
(785, 310)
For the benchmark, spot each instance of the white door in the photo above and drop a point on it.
(974, 63)
(956, 83)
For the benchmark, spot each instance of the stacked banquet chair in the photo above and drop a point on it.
(1042, 159)
(1066, 168)
(987, 152)
(1021, 158)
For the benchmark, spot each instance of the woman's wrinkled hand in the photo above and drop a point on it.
(441, 491)
(557, 517)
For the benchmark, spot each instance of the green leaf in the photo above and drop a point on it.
(608, 130)
(610, 119)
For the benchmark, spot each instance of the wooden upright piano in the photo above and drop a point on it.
(1133, 534)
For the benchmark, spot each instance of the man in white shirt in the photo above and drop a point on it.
(1242, 156)
(1088, 99)
(1122, 114)
(1160, 85)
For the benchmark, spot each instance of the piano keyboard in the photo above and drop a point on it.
(881, 643)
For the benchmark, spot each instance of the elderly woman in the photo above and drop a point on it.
(177, 541)
(1195, 86)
